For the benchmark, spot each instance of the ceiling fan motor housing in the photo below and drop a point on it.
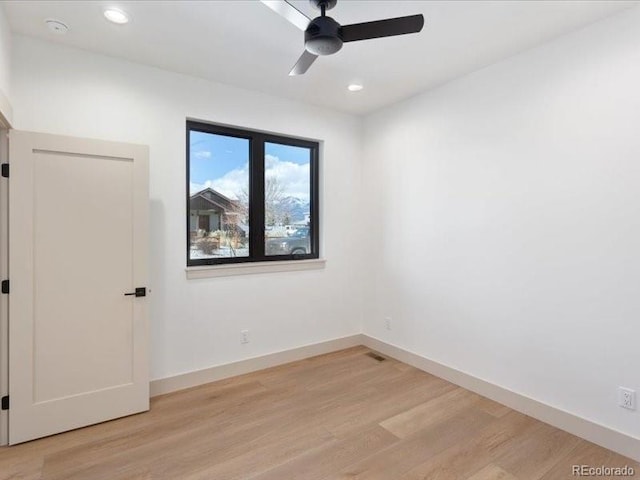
(322, 36)
(327, 4)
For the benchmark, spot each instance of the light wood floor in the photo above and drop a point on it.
(338, 416)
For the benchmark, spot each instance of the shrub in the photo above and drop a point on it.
(208, 245)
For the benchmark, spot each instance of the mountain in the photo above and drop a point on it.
(295, 207)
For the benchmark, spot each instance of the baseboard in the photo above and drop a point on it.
(599, 434)
(219, 372)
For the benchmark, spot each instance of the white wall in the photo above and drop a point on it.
(196, 323)
(5, 53)
(510, 240)
(5, 66)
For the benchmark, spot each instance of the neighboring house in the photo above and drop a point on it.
(210, 211)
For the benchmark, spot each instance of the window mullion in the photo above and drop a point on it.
(257, 197)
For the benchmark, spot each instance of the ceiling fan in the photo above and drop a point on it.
(324, 36)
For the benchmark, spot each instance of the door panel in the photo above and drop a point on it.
(78, 242)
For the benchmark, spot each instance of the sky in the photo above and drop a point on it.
(222, 163)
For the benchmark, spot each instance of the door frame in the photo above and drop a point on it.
(4, 275)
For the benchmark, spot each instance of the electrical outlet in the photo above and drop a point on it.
(387, 323)
(627, 398)
(244, 336)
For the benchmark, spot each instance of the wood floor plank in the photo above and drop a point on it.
(318, 463)
(337, 416)
(388, 402)
(465, 458)
(491, 407)
(257, 457)
(157, 419)
(396, 460)
(538, 453)
(587, 453)
(492, 472)
(171, 433)
(439, 408)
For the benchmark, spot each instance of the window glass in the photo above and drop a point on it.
(218, 196)
(287, 199)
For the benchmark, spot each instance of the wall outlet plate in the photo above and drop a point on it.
(627, 398)
(387, 323)
(244, 336)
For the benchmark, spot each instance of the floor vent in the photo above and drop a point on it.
(375, 356)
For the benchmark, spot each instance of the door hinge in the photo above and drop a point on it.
(5, 170)
(5, 402)
(5, 286)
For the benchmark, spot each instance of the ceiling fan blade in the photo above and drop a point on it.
(382, 28)
(303, 63)
(288, 11)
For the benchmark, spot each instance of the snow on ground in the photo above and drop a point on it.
(223, 252)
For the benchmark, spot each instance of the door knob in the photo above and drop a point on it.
(140, 292)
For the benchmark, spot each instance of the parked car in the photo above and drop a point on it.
(290, 230)
(297, 243)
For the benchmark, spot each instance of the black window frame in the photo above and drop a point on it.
(257, 141)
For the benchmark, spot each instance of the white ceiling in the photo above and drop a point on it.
(243, 43)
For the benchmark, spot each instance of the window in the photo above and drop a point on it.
(251, 196)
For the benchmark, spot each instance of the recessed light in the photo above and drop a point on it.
(56, 26)
(355, 87)
(116, 16)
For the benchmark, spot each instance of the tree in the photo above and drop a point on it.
(275, 208)
(273, 196)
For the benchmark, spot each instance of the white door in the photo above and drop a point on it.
(78, 234)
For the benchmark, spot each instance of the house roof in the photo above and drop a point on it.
(210, 199)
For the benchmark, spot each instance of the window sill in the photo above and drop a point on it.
(211, 271)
